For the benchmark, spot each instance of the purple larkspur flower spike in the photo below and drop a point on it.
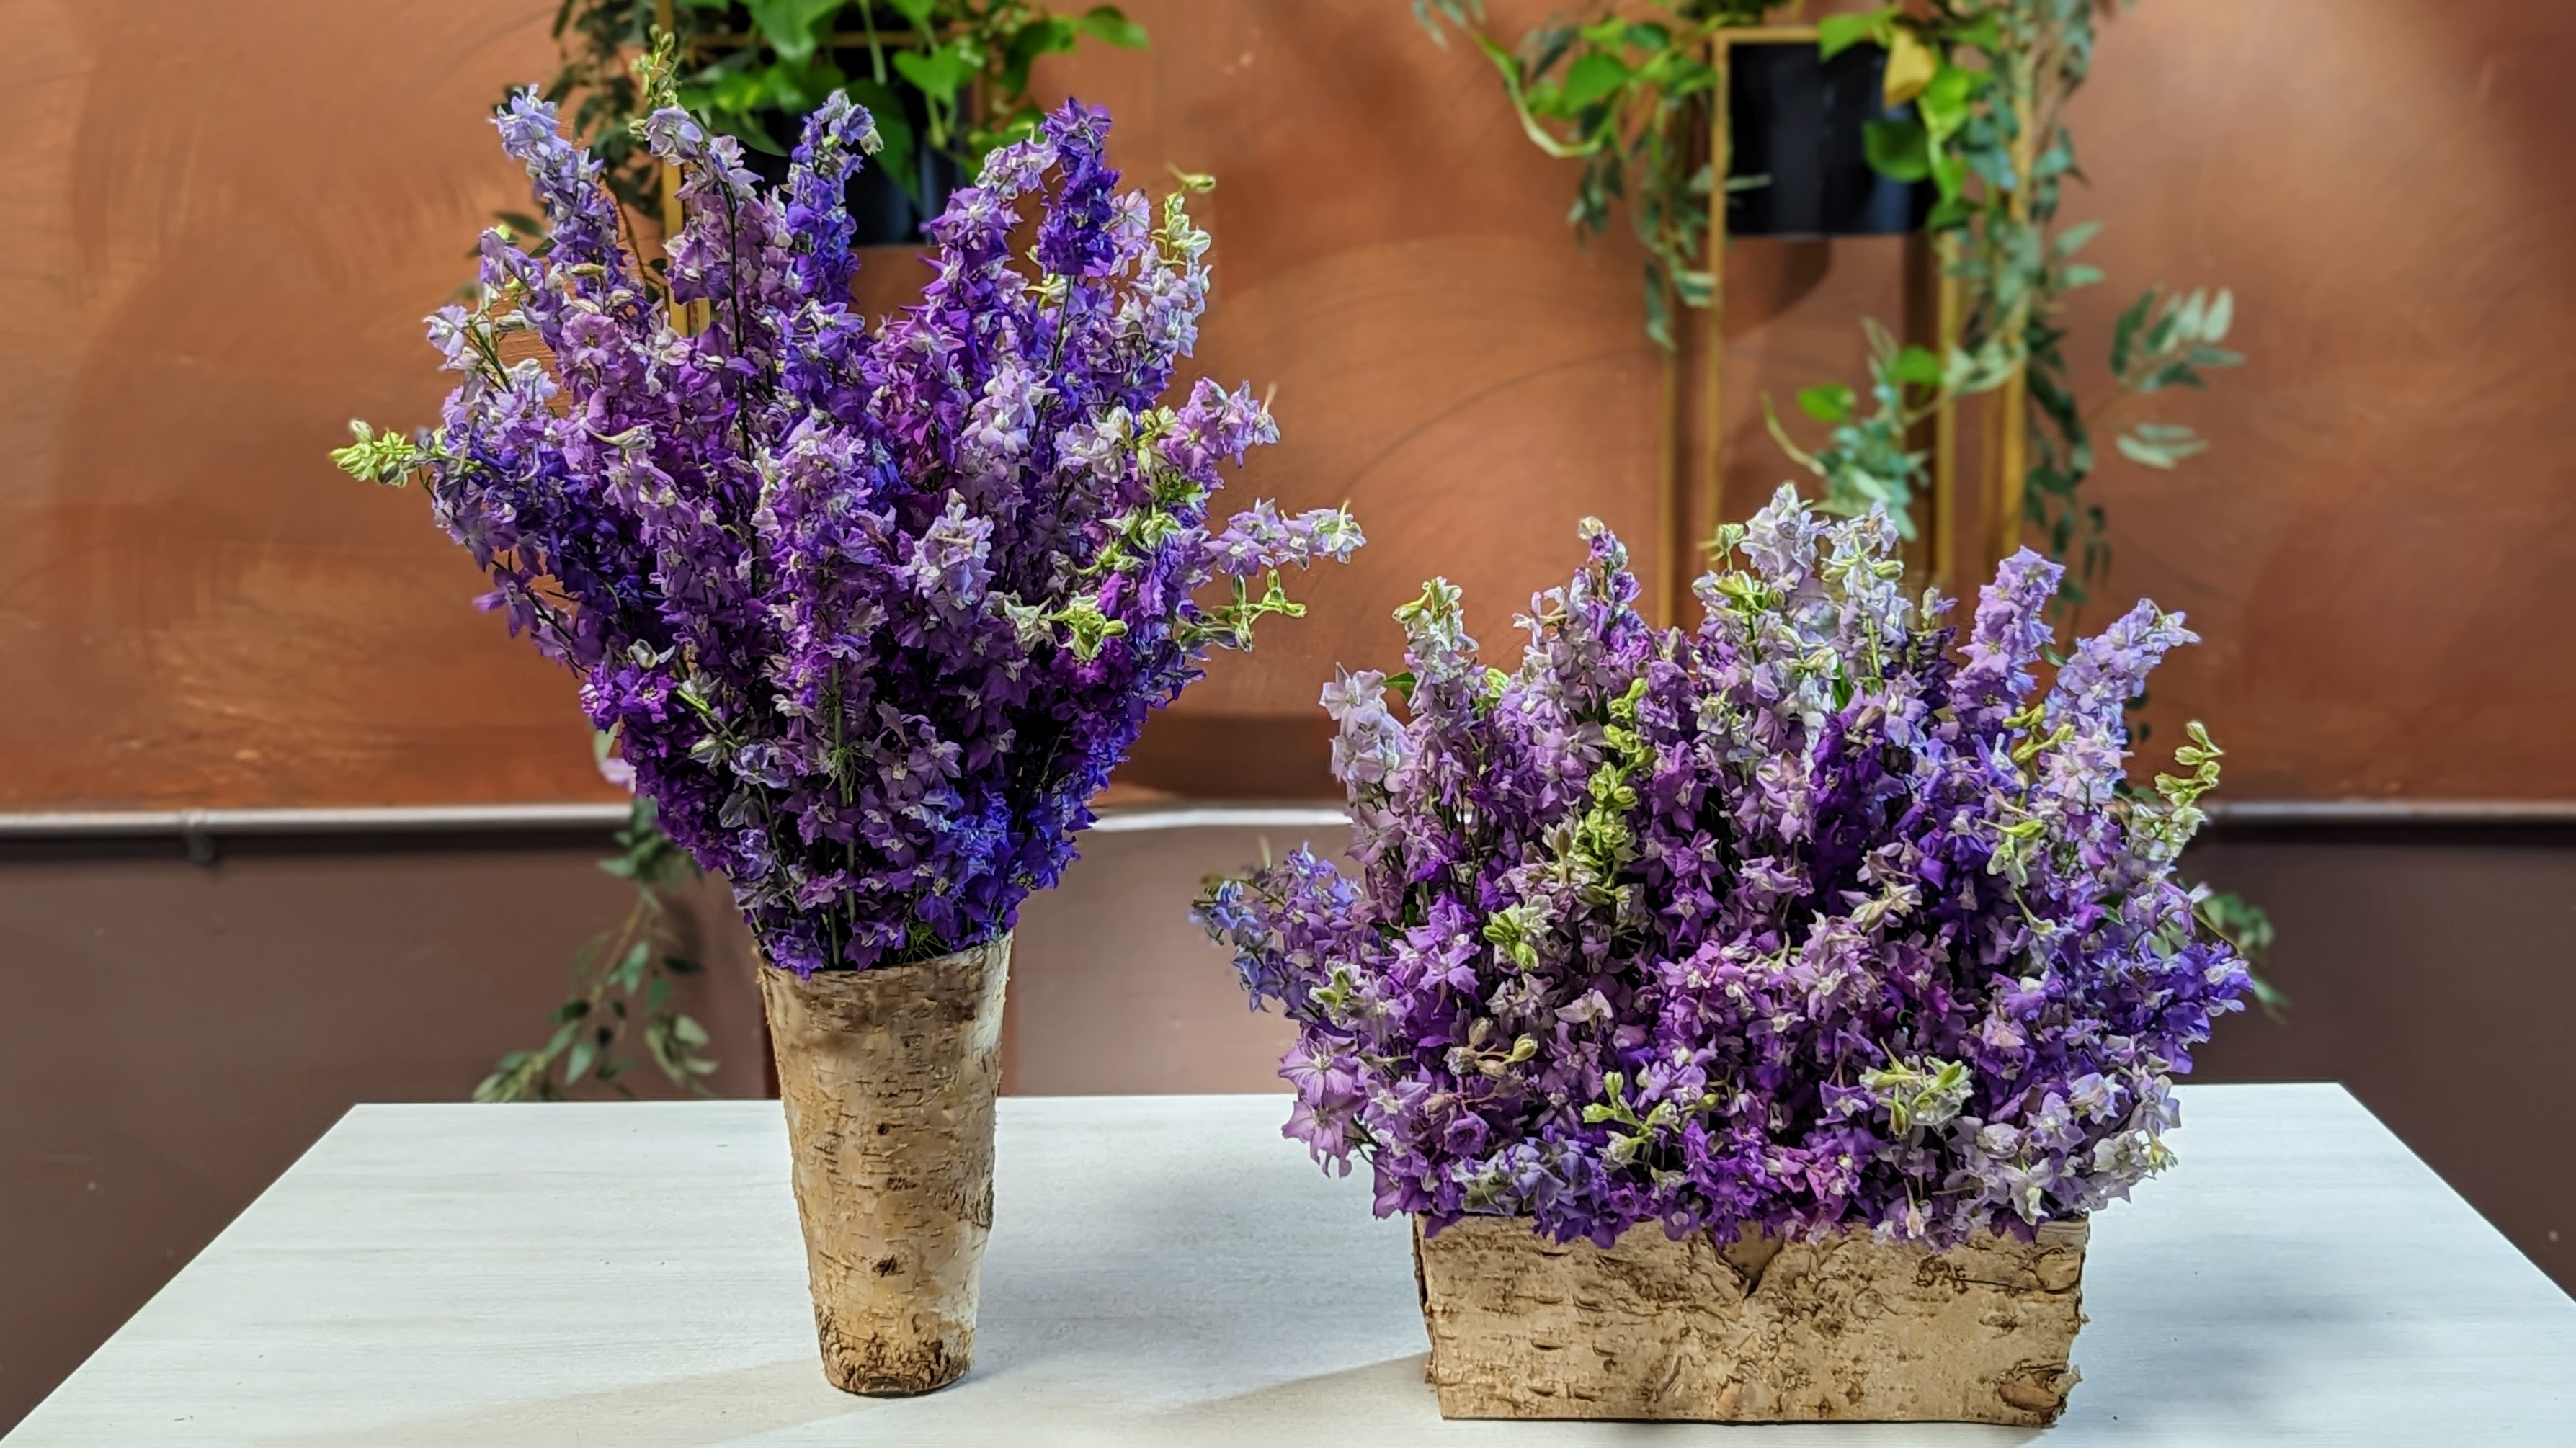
(871, 614)
(1793, 921)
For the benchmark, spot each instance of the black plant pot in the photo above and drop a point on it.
(1796, 124)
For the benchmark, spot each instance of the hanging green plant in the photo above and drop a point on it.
(1628, 98)
(1983, 85)
(946, 80)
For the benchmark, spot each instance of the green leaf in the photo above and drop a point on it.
(2271, 998)
(1898, 150)
(1916, 365)
(1612, 31)
(2158, 447)
(1838, 33)
(1038, 37)
(1592, 76)
(1109, 24)
(901, 155)
(2124, 333)
(751, 133)
(2073, 238)
(2220, 316)
(2172, 374)
(940, 73)
(577, 1064)
(1828, 404)
(792, 27)
(2187, 319)
(1984, 33)
(1944, 103)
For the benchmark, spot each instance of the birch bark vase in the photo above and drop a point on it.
(888, 1078)
(1754, 1331)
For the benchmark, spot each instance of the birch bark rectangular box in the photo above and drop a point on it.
(1759, 1330)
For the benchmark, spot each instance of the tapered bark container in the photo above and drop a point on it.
(1755, 1331)
(888, 1077)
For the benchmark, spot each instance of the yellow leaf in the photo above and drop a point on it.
(1910, 64)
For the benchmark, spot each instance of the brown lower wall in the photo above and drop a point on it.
(177, 1034)
(2430, 971)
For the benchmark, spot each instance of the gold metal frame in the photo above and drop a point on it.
(1933, 318)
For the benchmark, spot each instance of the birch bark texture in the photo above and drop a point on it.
(1756, 1331)
(888, 1078)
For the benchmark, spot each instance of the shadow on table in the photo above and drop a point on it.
(1350, 1408)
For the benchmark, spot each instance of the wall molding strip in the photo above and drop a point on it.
(397, 819)
(1123, 819)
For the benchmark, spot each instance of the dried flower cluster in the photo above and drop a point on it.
(871, 614)
(1797, 921)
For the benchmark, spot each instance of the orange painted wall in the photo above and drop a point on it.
(221, 222)
(221, 225)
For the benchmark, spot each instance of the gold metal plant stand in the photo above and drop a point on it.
(1932, 315)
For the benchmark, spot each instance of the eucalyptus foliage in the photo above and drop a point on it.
(621, 980)
(1865, 462)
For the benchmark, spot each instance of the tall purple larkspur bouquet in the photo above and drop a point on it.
(871, 613)
(1796, 921)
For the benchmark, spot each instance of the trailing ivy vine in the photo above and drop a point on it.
(1629, 98)
(1987, 82)
(621, 980)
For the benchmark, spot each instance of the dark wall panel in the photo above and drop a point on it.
(176, 1034)
(2434, 973)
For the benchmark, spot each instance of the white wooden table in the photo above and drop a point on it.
(1167, 1270)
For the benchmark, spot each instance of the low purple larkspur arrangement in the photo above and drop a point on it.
(871, 614)
(1797, 921)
